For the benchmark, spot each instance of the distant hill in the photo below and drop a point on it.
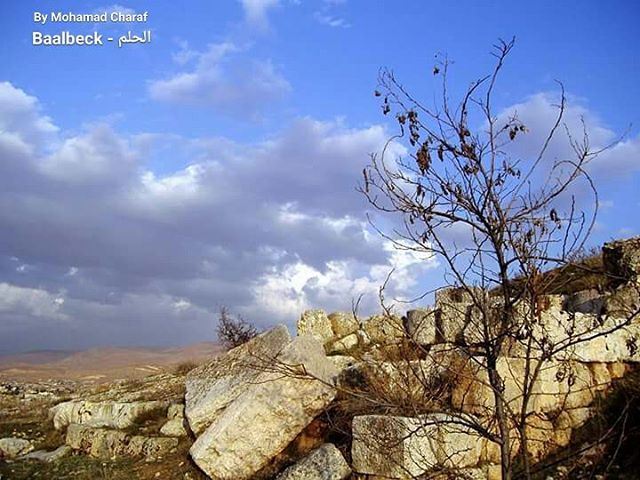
(102, 364)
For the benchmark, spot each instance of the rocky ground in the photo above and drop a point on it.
(24, 414)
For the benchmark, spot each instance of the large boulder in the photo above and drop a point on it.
(105, 443)
(12, 447)
(622, 260)
(317, 324)
(407, 447)
(458, 318)
(269, 414)
(343, 345)
(107, 414)
(210, 388)
(421, 326)
(343, 323)
(324, 463)
(559, 385)
(384, 329)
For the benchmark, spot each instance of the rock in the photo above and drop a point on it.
(324, 463)
(621, 259)
(624, 301)
(559, 385)
(600, 375)
(102, 414)
(585, 301)
(540, 436)
(421, 326)
(210, 388)
(616, 370)
(457, 318)
(12, 447)
(269, 414)
(175, 426)
(615, 347)
(105, 443)
(317, 324)
(342, 362)
(343, 345)
(404, 447)
(48, 457)
(343, 324)
(384, 329)
(97, 442)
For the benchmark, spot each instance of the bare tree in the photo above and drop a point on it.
(497, 221)
(233, 331)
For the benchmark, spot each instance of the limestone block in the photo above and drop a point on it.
(269, 414)
(211, 387)
(107, 414)
(343, 323)
(317, 324)
(324, 463)
(421, 326)
(404, 447)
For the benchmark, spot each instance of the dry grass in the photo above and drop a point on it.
(185, 367)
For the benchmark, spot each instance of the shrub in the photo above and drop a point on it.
(234, 331)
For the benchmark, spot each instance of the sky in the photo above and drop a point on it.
(144, 187)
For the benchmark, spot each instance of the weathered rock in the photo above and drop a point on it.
(342, 362)
(559, 385)
(102, 414)
(210, 388)
(343, 345)
(600, 375)
(175, 426)
(384, 329)
(421, 326)
(48, 457)
(12, 447)
(457, 318)
(541, 436)
(324, 463)
(622, 259)
(624, 301)
(615, 347)
(317, 324)
(264, 419)
(585, 301)
(403, 447)
(105, 443)
(343, 323)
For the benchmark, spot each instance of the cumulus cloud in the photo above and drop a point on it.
(90, 220)
(125, 254)
(33, 301)
(224, 78)
(538, 113)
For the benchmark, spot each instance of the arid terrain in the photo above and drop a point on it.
(99, 365)
(31, 383)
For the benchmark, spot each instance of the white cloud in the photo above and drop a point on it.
(21, 120)
(287, 290)
(32, 301)
(331, 20)
(98, 155)
(223, 78)
(538, 113)
(256, 12)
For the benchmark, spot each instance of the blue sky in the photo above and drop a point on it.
(144, 187)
